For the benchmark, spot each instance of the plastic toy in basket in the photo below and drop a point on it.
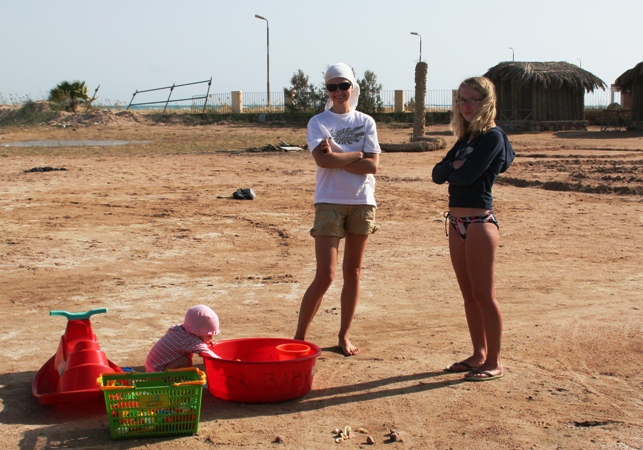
(154, 403)
(70, 375)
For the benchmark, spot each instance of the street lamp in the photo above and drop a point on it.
(268, 55)
(512, 53)
(417, 34)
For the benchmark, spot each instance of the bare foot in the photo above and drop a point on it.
(347, 348)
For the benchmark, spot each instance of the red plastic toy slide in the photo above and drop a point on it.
(70, 375)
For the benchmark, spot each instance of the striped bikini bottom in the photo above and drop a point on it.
(460, 224)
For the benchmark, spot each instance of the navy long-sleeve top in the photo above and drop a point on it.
(485, 157)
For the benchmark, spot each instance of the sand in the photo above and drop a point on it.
(149, 229)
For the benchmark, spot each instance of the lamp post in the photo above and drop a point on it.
(267, 55)
(417, 34)
(512, 54)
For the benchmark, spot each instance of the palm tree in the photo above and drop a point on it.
(69, 95)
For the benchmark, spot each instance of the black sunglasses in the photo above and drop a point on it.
(343, 86)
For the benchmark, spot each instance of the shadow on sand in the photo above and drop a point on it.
(89, 427)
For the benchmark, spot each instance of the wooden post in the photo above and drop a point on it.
(92, 99)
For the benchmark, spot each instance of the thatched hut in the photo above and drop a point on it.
(542, 95)
(630, 83)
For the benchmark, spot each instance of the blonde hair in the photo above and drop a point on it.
(485, 117)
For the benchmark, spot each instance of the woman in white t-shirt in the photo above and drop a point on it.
(344, 145)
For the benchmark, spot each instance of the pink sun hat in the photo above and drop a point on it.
(200, 320)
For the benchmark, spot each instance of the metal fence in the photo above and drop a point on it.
(216, 103)
(600, 99)
(169, 99)
(435, 100)
(253, 102)
(257, 102)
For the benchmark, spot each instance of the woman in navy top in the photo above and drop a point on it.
(471, 167)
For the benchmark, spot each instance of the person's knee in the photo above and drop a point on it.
(180, 362)
(324, 279)
(468, 297)
(483, 297)
(351, 273)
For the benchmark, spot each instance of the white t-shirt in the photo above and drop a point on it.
(351, 132)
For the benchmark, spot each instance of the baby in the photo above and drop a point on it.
(175, 349)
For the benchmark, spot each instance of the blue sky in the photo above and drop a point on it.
(125, 45)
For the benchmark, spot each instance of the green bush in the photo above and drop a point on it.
(30, 113)
(69, 95)
(303, 96)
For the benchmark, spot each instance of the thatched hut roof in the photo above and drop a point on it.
(547, 74)
(626, 80)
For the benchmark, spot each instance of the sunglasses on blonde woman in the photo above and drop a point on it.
(342, 86)
(468, 101)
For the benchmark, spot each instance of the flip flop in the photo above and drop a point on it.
(488, 376)
(467, 367)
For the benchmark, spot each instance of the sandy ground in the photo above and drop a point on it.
(149, 229)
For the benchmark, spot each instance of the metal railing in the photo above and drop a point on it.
(254, 102)
(513, 120)
(600, 99)
(171, 88)
(216, 103)
(388, 100)
(435, 100)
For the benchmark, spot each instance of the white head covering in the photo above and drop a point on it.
(341, 70)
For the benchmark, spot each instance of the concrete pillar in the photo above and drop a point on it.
(399, 101)
(237, 102)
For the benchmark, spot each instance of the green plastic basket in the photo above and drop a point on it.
(153, 404)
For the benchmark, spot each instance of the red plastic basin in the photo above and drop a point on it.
(252, 370)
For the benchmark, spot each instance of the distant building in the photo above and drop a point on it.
(630, 84)
(539, 96)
